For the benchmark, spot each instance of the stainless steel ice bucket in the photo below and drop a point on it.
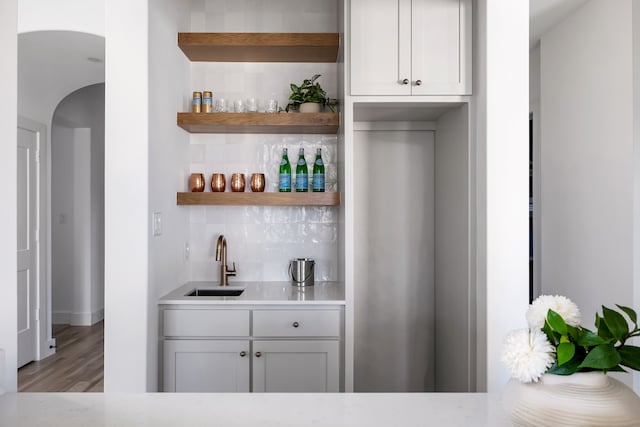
(301, 271)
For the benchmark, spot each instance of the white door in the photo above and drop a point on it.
(441, 47)
(28, 240)
(296, 366)
(380, 47)
(206, 366)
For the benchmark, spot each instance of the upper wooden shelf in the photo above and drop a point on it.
(309, 123)
(259, 199)
(260, 47)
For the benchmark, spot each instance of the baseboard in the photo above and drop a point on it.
(77, 319)
(61, 317)
(97, 316)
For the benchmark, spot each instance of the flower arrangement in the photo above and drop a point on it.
(556, 343)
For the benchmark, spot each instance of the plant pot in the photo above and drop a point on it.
(581, 399)
(309, 107)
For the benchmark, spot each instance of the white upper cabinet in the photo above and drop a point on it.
(411, 47)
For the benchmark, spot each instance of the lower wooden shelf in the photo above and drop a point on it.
(259, 199)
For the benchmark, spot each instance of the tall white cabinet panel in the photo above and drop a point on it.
(206, 366)
(411, 47)
(296, 366)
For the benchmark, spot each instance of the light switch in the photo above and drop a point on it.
(187, 251)
(157, 223)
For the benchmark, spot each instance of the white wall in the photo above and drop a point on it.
(587, 163)
(168, 163)
(85, 16)
(454, 295)
(126, 195)
(501, 128)
(83, 108)
(587, 155)
(8, 173)
(636, 168)
(62, 224)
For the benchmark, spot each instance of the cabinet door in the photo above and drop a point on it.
(380, 47)
(206, 366)
(441, 47)
(296, 366)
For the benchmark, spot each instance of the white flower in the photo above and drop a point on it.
(539, 308)
(527, 354)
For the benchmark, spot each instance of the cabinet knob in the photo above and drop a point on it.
(243, 353)
(258, 354)
(296, 324)
(405, 81)
(418, 82)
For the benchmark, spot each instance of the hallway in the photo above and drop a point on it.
(77, 366)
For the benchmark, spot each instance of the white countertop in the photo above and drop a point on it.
(256, 293)
(260, 410)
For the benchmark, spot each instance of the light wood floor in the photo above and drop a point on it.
(77, 365)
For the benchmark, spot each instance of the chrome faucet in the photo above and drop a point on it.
(221, 255)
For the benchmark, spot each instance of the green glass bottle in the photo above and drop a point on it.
(285, 173)
(302, 174)
(318, 173)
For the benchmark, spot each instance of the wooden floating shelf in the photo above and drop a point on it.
(308, 123)
(259, 199)
(260, 47)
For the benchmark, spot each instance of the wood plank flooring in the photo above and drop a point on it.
(77, 365)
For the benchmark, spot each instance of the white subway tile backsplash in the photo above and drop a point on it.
(261, 239)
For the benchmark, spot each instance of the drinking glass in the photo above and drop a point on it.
(221, 105)
(271, 106)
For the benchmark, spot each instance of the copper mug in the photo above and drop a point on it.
(196, 182)
(257, 182)
(218, 182)
(237, 182)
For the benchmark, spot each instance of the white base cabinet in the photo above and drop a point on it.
(206, 366)
(295, 366)
(251, 349)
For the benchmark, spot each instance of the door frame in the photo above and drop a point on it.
(45, 344)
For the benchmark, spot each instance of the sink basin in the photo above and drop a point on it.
(215, 292)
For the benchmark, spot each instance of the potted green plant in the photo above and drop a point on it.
(309, 97)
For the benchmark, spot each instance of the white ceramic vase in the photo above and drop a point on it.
(581, 399)
(309, 107)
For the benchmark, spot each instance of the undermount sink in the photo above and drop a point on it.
(215, 292)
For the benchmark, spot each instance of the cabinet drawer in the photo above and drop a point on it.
(296, 323)
(206, 323)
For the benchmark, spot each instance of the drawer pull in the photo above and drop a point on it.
(243, 353)
(418, 82)
(405, 81)
(296, 324)
(258, 354)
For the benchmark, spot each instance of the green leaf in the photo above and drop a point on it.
(565, 352)
(568, 368)
(556, 322)
(589, 339)
(551, 336)
(574, 333)
(630, 356)
(603, 331)
(629, 312)
(603, 357)
(616, 323)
